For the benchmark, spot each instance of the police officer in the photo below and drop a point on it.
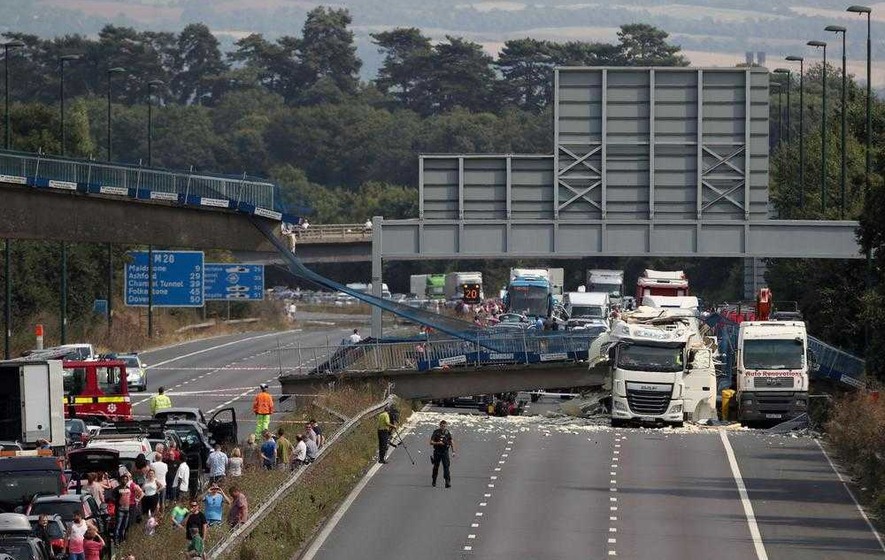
(385, 426)
(441, 440)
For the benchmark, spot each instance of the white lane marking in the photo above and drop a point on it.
(471, 536)
(474, 525)
(612, 541)
(479, 514)
(758, 545)
(211, 348)
(851, 495)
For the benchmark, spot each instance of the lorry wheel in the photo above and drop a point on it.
(535, 397)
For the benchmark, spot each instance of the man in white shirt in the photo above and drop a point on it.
(181, 486)
(161, 469)
(311, 449)
(217, 463)
(300, 452)
(355, 337)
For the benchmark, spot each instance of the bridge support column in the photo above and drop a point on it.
(376, 275)
(754, 276)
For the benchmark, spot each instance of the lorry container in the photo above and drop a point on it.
(32, 402)
(418, 285)
(465, 286)
(436, 287)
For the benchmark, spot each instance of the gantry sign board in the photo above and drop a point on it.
(646, 161)
(178, 279)
(234, 281)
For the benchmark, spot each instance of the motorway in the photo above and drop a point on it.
(562, 488)
(225, 371)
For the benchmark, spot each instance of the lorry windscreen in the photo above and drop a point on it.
(637, 357)
(587, 311)
(529, 300)
(773, 354)
(611, 289)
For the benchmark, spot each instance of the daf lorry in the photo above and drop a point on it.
(772, 366)
(662, 368)
(661, 283)
(608, 281)
(465, 286)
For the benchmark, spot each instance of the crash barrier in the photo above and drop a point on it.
(244, 194)
(422, 354)
(833, 364)
(242, 531)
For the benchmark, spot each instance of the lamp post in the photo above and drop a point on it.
(869, 258)
(6, 47)
(789, 74)
(823, 130)
(7, 260)
(151, 84)
(111, 72)
(844, 169)
(801, 62)
(61, 95)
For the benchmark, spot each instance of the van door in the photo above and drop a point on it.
(223, 426)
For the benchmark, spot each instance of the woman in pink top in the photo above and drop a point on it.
(93, 544)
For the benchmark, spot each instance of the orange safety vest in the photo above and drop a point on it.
(263, 403)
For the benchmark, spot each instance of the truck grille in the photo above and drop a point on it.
(651, 403)
(774, 402)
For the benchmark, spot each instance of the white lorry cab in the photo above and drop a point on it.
(773, 362)
(587, 309)
(672, 302)
(662, 368)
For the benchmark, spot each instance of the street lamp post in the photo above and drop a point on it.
(6, 46)
(151, 85)
(111, 72)
(61, 96)
(801, 62)
(823, 129)
(789, 74)
(844, 169)
(869, 257)
(7, 260)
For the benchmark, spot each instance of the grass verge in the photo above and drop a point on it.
(856, 432)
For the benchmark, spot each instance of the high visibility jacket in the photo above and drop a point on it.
(384, 421)
(263, 403)
(160, 402)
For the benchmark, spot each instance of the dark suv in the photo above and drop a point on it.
(22, 478)
(16, 540)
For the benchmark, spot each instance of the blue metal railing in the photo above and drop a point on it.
(247, 194)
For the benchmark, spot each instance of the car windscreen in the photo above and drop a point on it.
(21, 486)
(55, 530)
(19, 549)
(587, 311)
(132, 362)
(64, 509)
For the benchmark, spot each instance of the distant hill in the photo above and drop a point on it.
(711, 32)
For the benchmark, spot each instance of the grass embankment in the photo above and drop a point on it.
(856, 431)
(315, 497)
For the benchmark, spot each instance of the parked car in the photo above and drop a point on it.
(66, 505)
(22, 478)
(17, 541)
(136, 371)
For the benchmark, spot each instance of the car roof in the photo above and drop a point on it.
(62, 498)
(14, 522)
(29, 464)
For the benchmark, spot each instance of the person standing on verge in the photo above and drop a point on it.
(239, 507)
(268, 451)
(217, 463)
(284, 450)
(299, 457)
(262, 406)
(385, 426)
(355, 337)
(160, 401)
(441, 440)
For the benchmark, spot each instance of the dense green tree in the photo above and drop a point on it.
(460, 75)
(198, 66)
(327, 50)
(526, 66)
(645, 45)
(406, 61)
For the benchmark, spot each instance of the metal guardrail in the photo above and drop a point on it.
(242, 531)
(426, 354)
(134, 181)
(331, 233)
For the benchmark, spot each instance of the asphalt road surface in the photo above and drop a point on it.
(533, 487)
(225, 371)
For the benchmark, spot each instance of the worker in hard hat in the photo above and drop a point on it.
(262, 406)
(160, 401)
